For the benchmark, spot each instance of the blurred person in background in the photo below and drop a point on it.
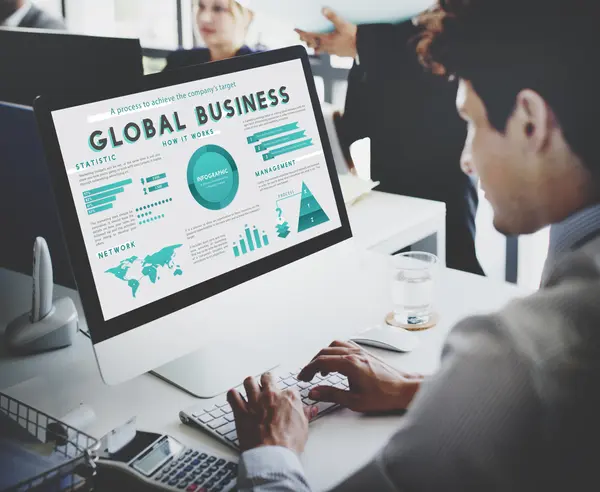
(23, 13)
(223, 26)
(409, 115)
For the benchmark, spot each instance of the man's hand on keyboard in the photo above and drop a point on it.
(270, 417)
(375, 386)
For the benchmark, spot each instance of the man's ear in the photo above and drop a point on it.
(533, 119)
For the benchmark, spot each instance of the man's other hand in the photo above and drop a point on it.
(375, 386)
(341, 41)
(270, 417)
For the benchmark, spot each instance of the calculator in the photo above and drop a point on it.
(153, 461)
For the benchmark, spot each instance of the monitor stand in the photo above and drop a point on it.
(216, 368)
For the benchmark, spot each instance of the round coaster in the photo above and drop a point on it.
(433, 319)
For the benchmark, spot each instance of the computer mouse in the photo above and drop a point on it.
(388, 338)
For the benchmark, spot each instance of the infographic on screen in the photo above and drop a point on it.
(178, 185)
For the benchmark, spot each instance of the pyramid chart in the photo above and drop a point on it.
(311, 213)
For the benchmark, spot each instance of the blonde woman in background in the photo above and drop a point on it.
(223, 25)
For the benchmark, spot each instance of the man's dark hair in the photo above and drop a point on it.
(505, 46)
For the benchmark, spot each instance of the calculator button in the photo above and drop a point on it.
(194, 454)
(204, 465)
(203, 456)
(229, 417)
(220, 462)
(206, 475)
(173, 482)
(188, 451)
(213, 468)
(212, 459)
(192, 488)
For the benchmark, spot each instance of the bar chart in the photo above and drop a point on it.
(250, 240)
(103, 198)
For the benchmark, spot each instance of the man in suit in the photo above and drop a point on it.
(409, 115)
(514, 405)
(23, 13)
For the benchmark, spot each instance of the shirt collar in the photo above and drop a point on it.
(14, 20)
(574, 230)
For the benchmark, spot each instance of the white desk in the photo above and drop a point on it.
(338, 443)
(57, 382)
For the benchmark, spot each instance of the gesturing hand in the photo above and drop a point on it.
(270, 417)
(375, 386)
(341, 41)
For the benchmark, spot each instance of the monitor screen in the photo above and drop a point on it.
(179, 186)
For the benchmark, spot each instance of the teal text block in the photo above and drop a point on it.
(97, 203)
(286, 149)
(158, 187)
(96, 210)
(156, 177)
(100, 196)
(104, 188)
(272, 132)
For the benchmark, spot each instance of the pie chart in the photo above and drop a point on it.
(213, 177)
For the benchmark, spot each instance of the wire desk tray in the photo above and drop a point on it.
(73, 450)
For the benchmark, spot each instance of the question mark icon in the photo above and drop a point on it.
(279, 213)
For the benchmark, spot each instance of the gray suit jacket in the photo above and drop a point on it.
(514, 407)
(38, 19)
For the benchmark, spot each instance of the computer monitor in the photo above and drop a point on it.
(39, 61)
(26, 198)
(189, 199)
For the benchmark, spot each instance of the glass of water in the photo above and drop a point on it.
(413, 288)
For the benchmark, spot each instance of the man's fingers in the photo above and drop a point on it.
(237, 403)
(335, 19)
(328, 363)
(330, 394)
(252, 391)
(310, 411)
(344, 343)
(334, 351)
(267, 381)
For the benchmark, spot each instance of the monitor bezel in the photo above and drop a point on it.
(101, 329)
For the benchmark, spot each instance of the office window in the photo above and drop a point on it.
(340, 87)
(341, 62)
(154, 22)
(320, 86)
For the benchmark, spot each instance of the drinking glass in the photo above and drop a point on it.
(413, 288)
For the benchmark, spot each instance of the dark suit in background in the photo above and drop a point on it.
(38, 19)
(416, 134)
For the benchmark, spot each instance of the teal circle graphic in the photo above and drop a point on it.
(213, 177)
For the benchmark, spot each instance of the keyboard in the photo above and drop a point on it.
(217, 418)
